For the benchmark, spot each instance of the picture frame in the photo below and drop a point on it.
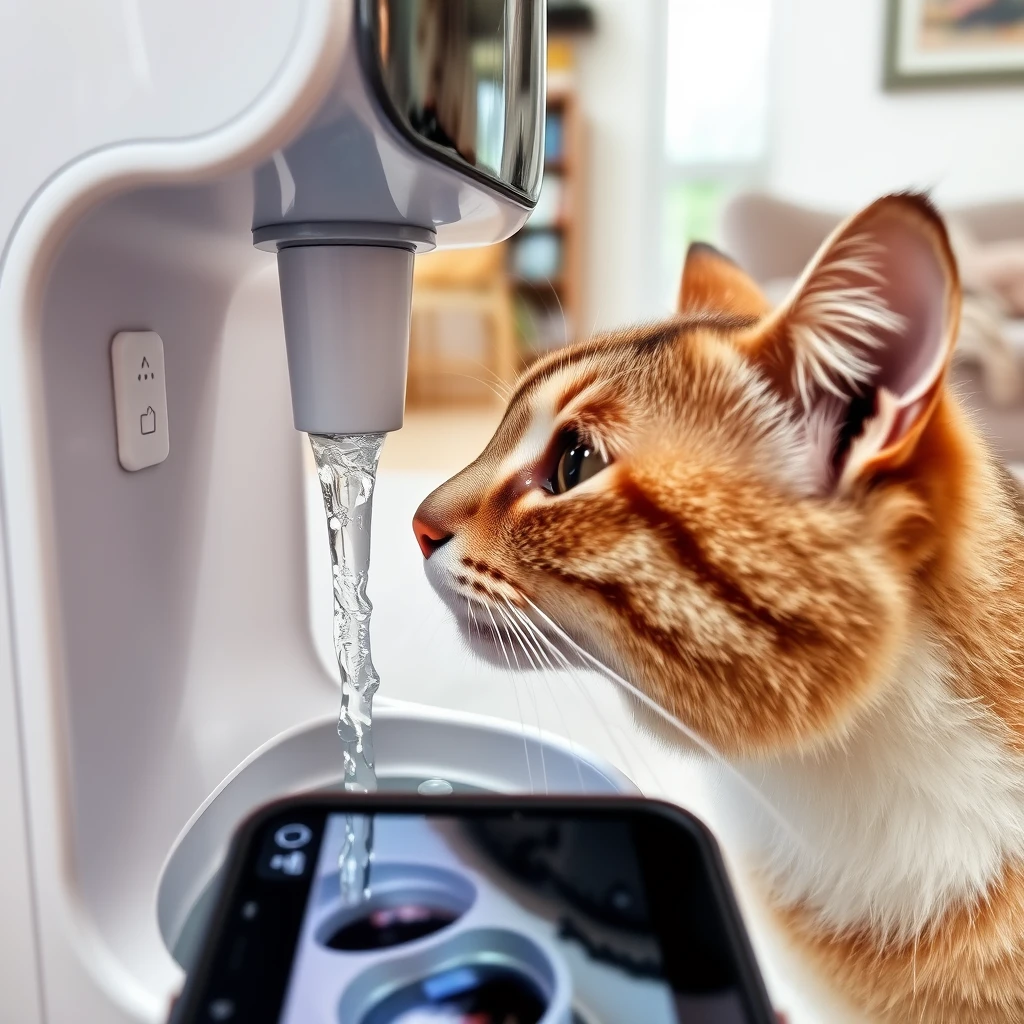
(933, 44)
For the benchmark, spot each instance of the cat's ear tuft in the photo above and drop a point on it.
(712, 283)
(863, 342)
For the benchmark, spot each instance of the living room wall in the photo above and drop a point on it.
(621, 86)
(838, 140)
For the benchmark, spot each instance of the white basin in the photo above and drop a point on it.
(411, 743)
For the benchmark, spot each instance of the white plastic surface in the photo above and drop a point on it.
(140, 398)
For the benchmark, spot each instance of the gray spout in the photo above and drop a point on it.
(346, 324)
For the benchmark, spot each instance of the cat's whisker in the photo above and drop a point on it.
(551, 690)
(581, 687)
(502, 397)
(515, 678)
(515, 692)
(667, 716)
(533, 700)
(522, 717)
(496, 378)
(527, 682)
(561, 310)
(593, 326)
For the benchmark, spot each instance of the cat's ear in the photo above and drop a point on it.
(863, 342)
(712, 283)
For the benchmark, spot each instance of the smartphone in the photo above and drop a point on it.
(477, 910)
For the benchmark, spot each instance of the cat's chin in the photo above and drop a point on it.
(497, 646)
(476, 627)
(485, 643)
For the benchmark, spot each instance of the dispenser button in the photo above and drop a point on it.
(140, 398)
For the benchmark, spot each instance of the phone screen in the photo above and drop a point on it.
(518, 915)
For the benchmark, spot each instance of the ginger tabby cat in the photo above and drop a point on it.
(783, 528)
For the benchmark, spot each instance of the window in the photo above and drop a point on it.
(716, 116)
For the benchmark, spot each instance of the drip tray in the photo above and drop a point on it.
(412, 744)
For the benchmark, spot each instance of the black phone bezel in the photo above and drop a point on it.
(661, 876)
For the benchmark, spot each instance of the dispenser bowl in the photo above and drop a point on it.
(411, 743)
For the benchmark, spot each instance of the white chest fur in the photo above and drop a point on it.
(921, 808)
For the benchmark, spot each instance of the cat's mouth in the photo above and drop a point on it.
(491, 618)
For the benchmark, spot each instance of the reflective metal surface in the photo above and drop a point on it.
(466, 77)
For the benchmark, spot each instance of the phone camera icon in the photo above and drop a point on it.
(293, 863)
(293, 837)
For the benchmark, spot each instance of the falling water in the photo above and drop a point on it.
(347, 467)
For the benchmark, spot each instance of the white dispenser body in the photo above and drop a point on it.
(154, 625)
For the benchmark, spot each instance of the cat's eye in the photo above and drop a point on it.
(579, 461)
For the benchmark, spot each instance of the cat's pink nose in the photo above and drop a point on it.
(429, 537)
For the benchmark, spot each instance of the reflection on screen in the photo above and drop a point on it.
(490, 919)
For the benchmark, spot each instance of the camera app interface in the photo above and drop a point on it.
(484, 920)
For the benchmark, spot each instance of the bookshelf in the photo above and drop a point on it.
(480, 315)
(545, 258)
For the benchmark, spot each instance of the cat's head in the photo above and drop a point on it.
(730, 507)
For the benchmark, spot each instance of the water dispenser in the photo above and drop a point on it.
(157, 671)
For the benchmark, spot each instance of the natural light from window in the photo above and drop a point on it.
(716, 116)
(716, 81)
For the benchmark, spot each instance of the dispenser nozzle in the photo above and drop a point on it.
(346, 324)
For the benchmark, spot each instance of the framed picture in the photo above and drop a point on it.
(943, 43)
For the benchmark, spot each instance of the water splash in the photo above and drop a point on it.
(347, 467)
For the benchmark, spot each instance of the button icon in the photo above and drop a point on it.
(293, 837)
(140, 398)
(293, 863)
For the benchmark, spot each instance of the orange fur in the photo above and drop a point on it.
(965, 967)
(713, 283)
(770, 598)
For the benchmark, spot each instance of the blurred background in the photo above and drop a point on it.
(753, 124)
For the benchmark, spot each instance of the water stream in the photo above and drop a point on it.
(347, 467)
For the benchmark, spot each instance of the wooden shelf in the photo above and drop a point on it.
(519, 319)
(562, 295)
